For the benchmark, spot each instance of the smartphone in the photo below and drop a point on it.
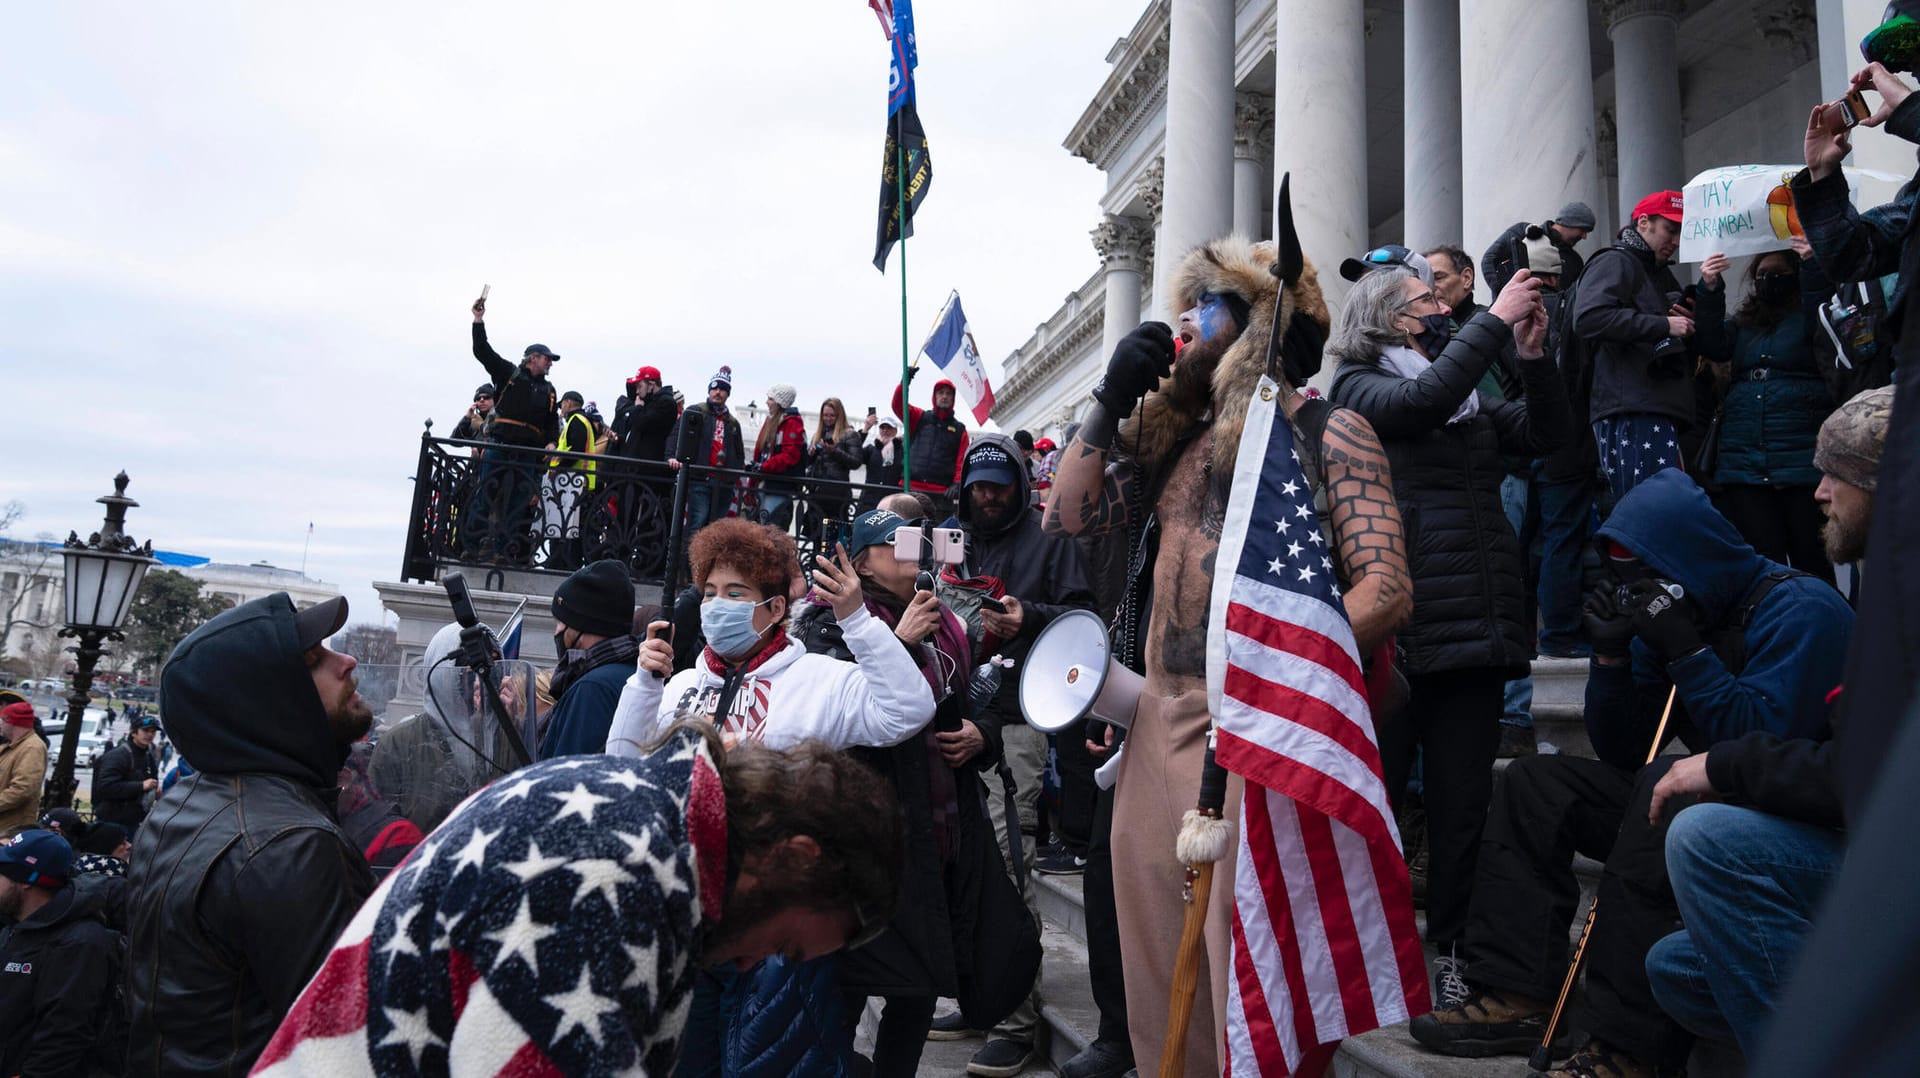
(871, 410)
(994, 605)
(1853, 109)
(484, 289)
(1521, 259)
(947, 546)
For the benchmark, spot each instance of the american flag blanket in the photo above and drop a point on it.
(549, 927)
(1324, 942)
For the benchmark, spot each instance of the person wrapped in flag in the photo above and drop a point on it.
(1327, 946)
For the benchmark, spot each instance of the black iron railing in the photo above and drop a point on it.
(483, 506)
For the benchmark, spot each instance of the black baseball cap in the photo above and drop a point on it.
(539, 350)
(320, 621)
(1381, 257)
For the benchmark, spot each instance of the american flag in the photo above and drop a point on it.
(1324, 942)
(548, 927)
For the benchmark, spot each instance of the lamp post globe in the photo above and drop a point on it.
(102, 573)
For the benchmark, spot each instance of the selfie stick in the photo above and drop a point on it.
(476, 654)
(1543, 1056)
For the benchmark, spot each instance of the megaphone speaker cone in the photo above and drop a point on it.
(1070, 674)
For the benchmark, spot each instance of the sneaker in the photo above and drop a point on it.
(1001, 1058)
(1601, 1060)
(1061, 863)
(1449, 981)
(1100, 1059)
(1515, 741)
(1484, 1024)
(952, 1027)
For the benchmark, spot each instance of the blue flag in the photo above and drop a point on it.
(905, 57)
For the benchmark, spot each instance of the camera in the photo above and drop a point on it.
(1623, 594)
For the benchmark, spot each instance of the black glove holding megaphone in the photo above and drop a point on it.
(1139, 361)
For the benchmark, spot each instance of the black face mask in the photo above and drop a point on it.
(1776, 289)
(1435, 331)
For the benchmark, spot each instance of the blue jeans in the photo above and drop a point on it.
(1517, 700)
(1565, 514)
(1747, 884)
(699, 507)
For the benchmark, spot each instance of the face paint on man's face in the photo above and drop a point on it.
(1212, 316)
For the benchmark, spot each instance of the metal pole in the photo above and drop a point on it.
(906, 388)
(60, 788)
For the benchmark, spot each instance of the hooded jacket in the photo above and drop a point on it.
(936, 443)
(241, 876)
(119, 783)
(1469, 606)
(1795, 641)
(1047, 573)
(1620, 311)
(57, 973)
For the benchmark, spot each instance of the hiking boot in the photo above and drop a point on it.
(1484, 1024)
(1450, 987)
(1598, 1059)
(1516, 741)
(1413, 842)
(1100, 1059)
(952, 1027)
(1001, 1058)
(1060, 863)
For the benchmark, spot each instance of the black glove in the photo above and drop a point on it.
(911, 371)
(1139, 361)
(1664, 622)
(1609, 630)
(1301, 348)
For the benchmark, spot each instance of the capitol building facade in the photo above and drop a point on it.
(1422, 122)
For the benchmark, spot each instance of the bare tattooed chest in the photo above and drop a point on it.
(1190, 514)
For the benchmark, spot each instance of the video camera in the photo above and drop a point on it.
(478, 653)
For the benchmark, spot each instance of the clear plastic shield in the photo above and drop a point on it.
(428, 762)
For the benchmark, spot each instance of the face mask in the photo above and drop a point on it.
(1775, 289)
(1435, 331)
(728, 625)
(561, 651)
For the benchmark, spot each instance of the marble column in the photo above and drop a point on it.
(1320, 130)
(1252, 148)
(1431, 107)
(1199, 140)
(1526, 114)
(1124, 244)
(1646, 92)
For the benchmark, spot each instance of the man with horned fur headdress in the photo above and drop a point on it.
(1163, 474)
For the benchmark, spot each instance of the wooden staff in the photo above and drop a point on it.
(1204, 839)
(1543, 1056)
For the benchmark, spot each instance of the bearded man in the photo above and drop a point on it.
(242, 877)
(1164, 474)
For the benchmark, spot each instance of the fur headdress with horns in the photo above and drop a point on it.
(1231, 265)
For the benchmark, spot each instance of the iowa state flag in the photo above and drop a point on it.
(951, 348)
(906, 154)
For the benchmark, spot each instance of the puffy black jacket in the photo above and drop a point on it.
(242, 878)
(57, 974)
(1468, 574)
(119, 782)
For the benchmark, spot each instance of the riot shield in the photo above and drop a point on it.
(428, 762)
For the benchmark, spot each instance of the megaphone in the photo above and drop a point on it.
(1071, 674)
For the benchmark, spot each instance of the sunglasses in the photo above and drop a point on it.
(1387, 256)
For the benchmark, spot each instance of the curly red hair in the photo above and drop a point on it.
(765, 555)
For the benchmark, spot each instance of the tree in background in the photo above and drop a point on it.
(378, 649)
(168, 607)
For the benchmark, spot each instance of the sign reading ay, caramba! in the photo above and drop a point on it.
(1744, 210)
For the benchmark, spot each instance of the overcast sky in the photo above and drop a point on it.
(238, 241)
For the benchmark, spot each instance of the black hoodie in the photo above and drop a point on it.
(57, 970)
(241, 877)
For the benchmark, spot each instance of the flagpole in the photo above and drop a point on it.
(304, 547)
(906, 396)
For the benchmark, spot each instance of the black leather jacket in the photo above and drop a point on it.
(242, 879)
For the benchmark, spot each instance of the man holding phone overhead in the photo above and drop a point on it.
(524, 422)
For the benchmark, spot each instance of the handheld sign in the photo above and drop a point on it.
(1741, 210)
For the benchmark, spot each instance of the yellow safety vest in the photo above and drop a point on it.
(583, 445)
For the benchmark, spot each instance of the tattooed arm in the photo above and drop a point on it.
(1366, 529)
(1089, 495)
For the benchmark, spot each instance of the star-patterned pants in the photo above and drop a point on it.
(1633, 447)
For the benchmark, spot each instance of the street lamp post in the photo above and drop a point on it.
(102, 575)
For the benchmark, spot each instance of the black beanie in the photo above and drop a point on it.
(597, 599)
(103, 839)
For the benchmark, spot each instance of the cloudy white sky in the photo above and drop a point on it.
(238, 241)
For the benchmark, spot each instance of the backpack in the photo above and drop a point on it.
(1854, 356)
(1730, 640)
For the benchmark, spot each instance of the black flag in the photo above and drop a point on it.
(903, 130)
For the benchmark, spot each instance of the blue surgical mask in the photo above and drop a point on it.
(728, 626)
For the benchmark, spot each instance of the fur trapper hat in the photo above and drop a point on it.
(1231, 265)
